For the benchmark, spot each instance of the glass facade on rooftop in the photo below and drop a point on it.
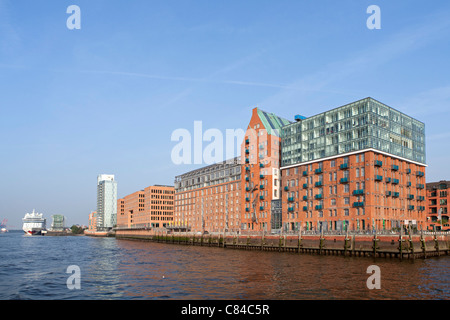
(360, 125)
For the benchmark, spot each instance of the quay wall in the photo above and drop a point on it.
(98, 233)
(60, 234)
(389, 246)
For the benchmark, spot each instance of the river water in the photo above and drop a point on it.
(36, 268)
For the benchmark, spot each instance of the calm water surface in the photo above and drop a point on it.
(35, 268)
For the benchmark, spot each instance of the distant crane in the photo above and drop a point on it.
(3, 225)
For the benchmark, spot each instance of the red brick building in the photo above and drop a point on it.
(208, 199)
(261, 176)
(358, 191)
(356, 167)
(152, 207)
(437, 199)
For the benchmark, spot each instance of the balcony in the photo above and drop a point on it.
(358, 204)
(291, 199)
(261, 186)
(343, 166)
(343, 180)
(421, 208)
(319, 170)
(394, 167)
(247, 178)
(247, 209)
(247, 188)
(358, 192)
(420, 174)
(305, 198)
(305, 173)
(420, 186)
(261, 208)
(318, 207)
(318, 196)
(305, 185)
(261, 165)
(305, 208)
(247, 169)
(396, 194)
(247, 151)
(408, 184)
(378, 163)
(247, 141)
(318, 184)
(395, 181)
(420, 198)
(261, 197)
(247, 160)
(388, 180)
(378, 178)
(408, 171)
(291, 209)
(247, 199)
(410, 207)
(261, 176)
(388, 193)
(286, 188)
(410, 197)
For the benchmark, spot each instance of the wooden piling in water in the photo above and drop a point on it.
(423, 245)
(354, 245)
(375, 246)
(299, 241)
(411, 244)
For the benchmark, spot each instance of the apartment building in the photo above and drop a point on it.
(208, 199)
(106, 214)
(357, 167)
(92, 226)
(152, 207)
(437, 198)
(261, 176)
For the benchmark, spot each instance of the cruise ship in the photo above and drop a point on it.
(33, 224)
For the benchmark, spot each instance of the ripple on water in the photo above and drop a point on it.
(35, 268)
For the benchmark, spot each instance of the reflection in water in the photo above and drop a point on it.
(172, 271)
(101, 271)
(35, 268)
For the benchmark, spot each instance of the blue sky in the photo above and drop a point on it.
(106, 98)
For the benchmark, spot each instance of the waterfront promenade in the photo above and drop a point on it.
(386, 245)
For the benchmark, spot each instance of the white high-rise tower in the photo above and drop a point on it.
(106, 202)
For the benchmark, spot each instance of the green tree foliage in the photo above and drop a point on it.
(77, 229)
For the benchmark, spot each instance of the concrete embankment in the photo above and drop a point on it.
(99, 233)
(388, 246)
(60, 234)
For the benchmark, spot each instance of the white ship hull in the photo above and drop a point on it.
(33, 224)
(33, 232)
